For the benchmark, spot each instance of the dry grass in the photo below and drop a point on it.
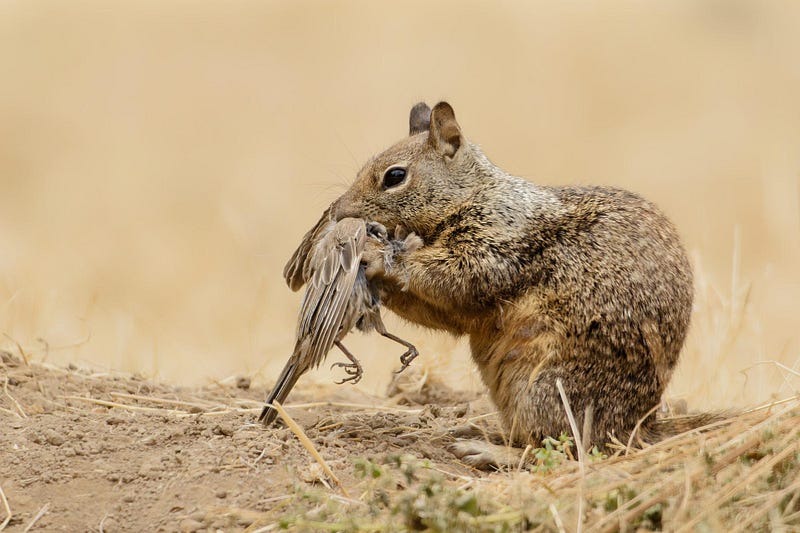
(6, 509)
(738, 474)
(741, 474)
(744, 476)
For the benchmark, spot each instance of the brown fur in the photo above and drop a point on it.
(589, 285)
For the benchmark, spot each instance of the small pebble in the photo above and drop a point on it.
(244, 521)
(189, 525)
(53, 438)
(221, 429)
(110, 525)
(221, 494)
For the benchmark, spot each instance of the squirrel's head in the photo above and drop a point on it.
(417, 182)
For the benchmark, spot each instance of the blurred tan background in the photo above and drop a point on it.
(159, 161)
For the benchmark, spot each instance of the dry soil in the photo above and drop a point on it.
(92, 451)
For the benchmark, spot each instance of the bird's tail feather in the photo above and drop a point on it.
(288, 378)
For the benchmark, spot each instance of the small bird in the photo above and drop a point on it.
(338, 298)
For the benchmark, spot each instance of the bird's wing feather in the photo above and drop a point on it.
(298, 270)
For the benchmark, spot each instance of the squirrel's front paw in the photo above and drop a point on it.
(376, 257)
(384, 258)
(405, 241)
(412, 243)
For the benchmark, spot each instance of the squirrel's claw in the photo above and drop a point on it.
(377, 230)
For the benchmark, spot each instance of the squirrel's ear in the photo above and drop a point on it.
(420, 119)
(445, 136)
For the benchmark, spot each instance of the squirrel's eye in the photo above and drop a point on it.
(394, 177)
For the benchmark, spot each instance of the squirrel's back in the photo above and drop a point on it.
(602, 302)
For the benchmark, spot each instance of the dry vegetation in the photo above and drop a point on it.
(88, 450)
(159, 161)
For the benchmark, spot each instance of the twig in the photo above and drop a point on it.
(36, 518)
(204, 414)
(776, 363)
(507, 518)
(524, 456)
(106, 403)
(13, 400)
(481, 417)
(770, 405)
(352, 406)
(579, 445)
(308, 445)
(557, 518)
(10, 412)
(19, 347)
(266, 528)
(163, 400)
(638, 426)
(687, 494)
(6, 508)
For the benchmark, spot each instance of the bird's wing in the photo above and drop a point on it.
(298, 270)
(335, 266)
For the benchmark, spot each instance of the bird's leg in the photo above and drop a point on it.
(353, 368)
(411, 352)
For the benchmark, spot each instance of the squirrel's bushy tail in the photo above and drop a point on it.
(663, 428)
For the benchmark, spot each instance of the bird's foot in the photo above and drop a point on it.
(353, 370)
(407, 357)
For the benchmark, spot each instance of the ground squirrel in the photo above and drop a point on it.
(589, 285)
(338, 298)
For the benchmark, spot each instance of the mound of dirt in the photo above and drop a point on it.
(84, 450)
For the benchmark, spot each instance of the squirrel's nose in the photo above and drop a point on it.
(344, 208)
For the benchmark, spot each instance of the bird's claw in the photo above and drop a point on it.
(353, 370)
(406, 358)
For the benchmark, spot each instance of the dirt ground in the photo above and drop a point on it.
(87, 451)
(90, 451)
